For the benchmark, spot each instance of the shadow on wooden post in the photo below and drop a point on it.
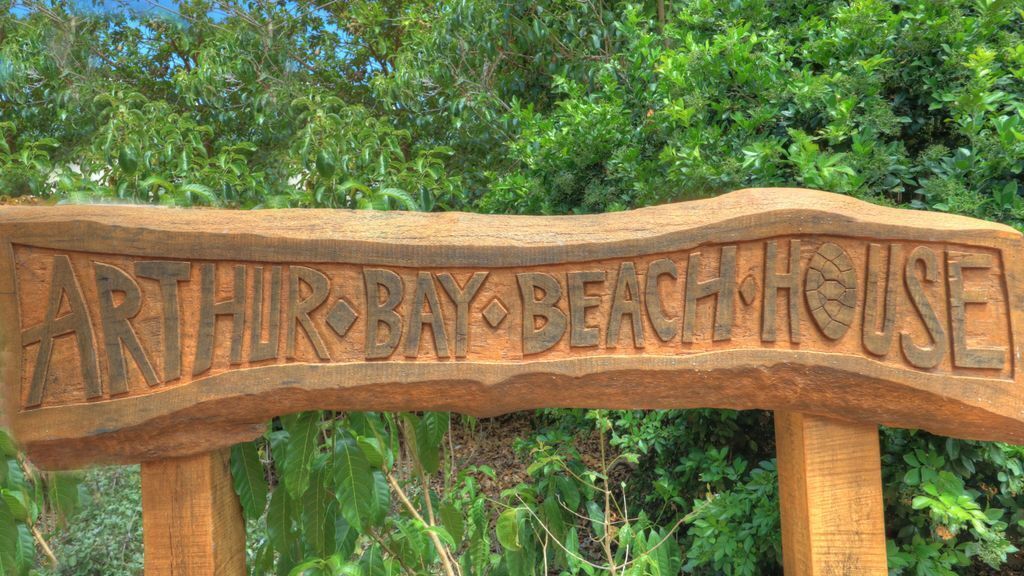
(191, 519)
(830, 496)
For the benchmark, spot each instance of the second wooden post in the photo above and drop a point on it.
(191, 519)
(830, 496)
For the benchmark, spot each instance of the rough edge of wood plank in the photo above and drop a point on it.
(233, 407)
(398, 238)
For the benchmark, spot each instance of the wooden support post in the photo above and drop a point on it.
(830, 496)
(191, 519)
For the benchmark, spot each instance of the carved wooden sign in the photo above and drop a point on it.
(134, 333)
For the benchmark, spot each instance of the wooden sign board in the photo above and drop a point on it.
(136, 333)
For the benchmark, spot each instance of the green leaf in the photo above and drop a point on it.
(373, 563)
(280, 522)
(63, 488)
(8, 540)
(250, 482)
(415, 541)
(303, 430)
(318, 511)
(553, 515)
(127, 161)
(381, 498)
(435, 424)
(572, 546)
(451, 519)
(372, 450)
(596, 515)
(401, 196)
(670, 556)
(15, 475)
(430, 431)
(201, 191)
(345, 536)
(16, 504)
(480, 534)
(508, 526)
(368, 424)
(353, 480)
(26, 553)
(443, 535)
(314, 567)
(920, 502)
(7, 446)
(353, 185)
(325, 164)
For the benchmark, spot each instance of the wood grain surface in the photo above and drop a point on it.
(136, 333)
(830, 496)
(191, 520)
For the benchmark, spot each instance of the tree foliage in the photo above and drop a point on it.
(506, 106)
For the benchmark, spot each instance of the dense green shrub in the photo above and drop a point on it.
(383, 494)
(526, 107)
(106, 534)
(906, 102)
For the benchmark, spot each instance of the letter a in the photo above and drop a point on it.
(63, 283)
